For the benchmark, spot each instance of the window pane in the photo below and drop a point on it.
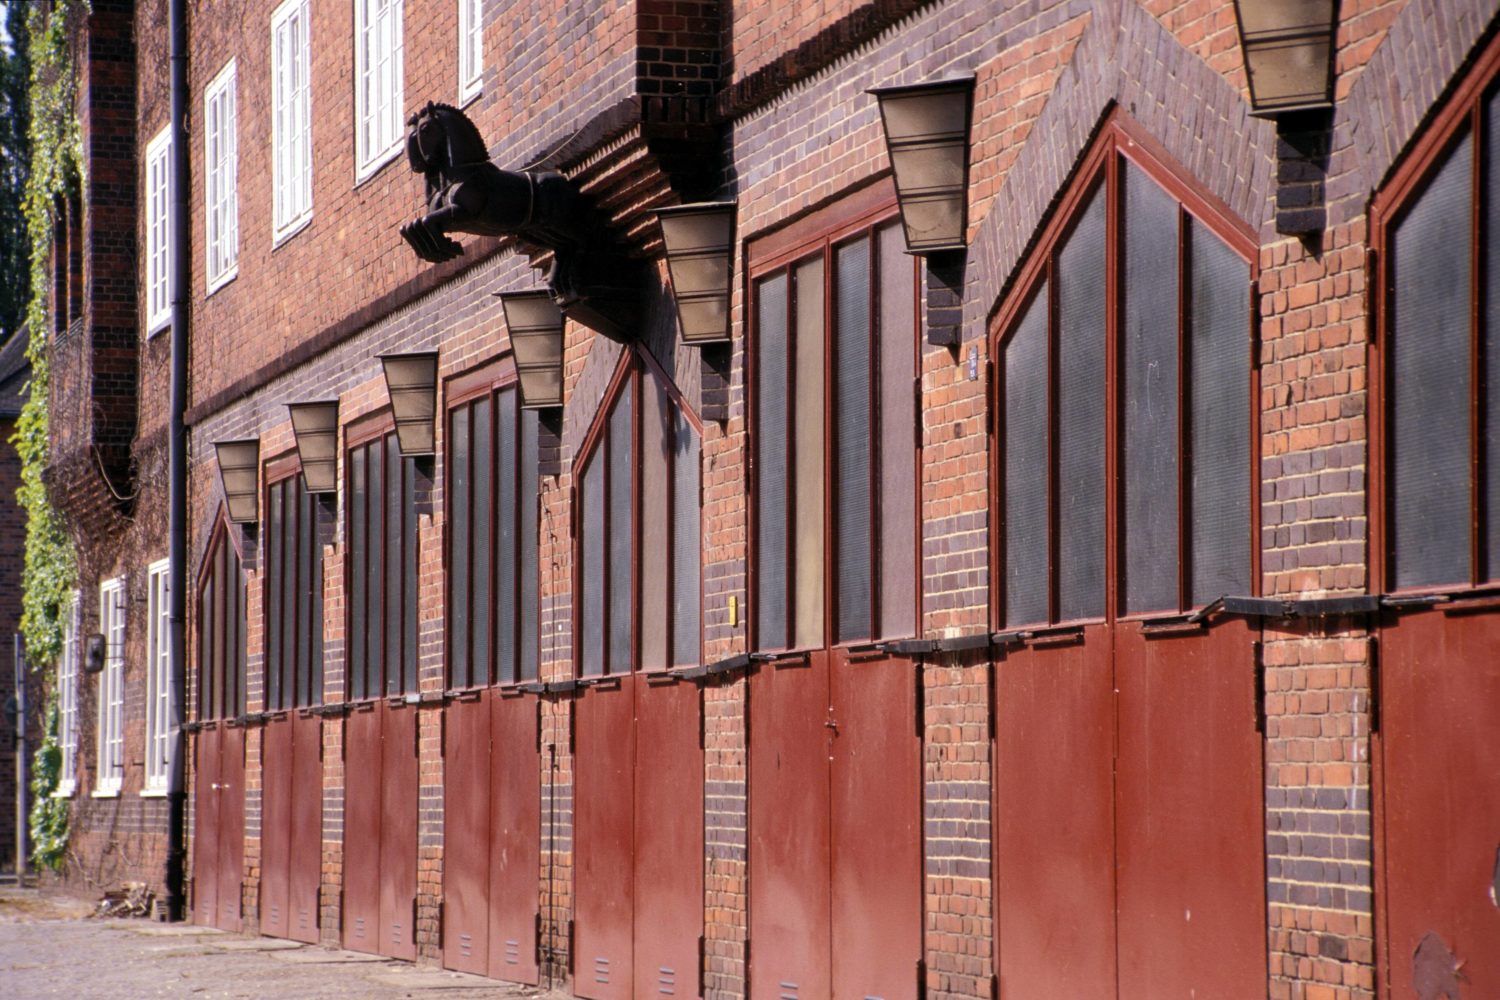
(1491, 416)
(898, 416)
(314, 693)
(395, 540)
(1080, 417)
(240, 630)
(1150, 383)
(223, 606)
(530, 552)
(484, 498)
(359, 571)
(655, 539)
(1024, 434)
(592, 626)
(376, 609)
(1431, 383)
(310, 607)
(459, 548)
(852, 403)
(275, 608)
(208, 641)
(621, 427)
(409, 594)
(809, 471)
(506, 470)
(1219, 426)
(686, 548)
(771, 463)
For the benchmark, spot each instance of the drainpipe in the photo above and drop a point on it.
(177, 469)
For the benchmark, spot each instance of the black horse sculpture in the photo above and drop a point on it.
(467, 193)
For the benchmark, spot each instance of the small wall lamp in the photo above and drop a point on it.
(1288, 46)
(699, 243)
(927, 137)
(239, 472)
(536, 336)
(411, 383)
(316, 428)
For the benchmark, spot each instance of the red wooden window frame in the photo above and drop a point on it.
(636, 371)
(1460, 116)
(489, 385)
(292, 593)
(221, 631)
(820, 235)
(1102, 168)
(368, 660)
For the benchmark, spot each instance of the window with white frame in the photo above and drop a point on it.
(67, 697)
(158, 232)
(470, 49)
(158, 677)
(111, 757)
(221, 196)
(291, 119)
(378, 79)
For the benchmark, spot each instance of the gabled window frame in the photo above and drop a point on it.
(159, 709)
(469, 395)
(109, 761)
(470, 50)
(67, 695)
(636, 373)
(291, 120)
(373, 148)
(222, 629)
(221, 223)
(157, 177)
(1100, 172)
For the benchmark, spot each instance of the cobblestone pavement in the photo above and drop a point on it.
(47, 949)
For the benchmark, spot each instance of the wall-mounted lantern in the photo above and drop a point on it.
(411, 382)
(699, 243)
(316, 428)
(536, 336)
(1288, 46)
(927, 137)
(239, 472)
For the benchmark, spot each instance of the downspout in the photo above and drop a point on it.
(177, 468)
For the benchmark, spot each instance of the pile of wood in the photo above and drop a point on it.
(132, 899)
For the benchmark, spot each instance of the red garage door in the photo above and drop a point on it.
(380, 829)
(219, 850)
(291, 827)
(492, 836)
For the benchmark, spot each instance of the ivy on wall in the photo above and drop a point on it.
(49, 572)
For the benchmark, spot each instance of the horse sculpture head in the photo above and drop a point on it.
(441, 137)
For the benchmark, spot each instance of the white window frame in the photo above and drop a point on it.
(109, 774)
(291, 120)
(158, 201)
(159, 715)
(67, 698)
(470, 50)
(379, 84)
(221, 211)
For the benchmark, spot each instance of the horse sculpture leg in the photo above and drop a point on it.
(425, 236)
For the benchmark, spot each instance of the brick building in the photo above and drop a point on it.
(997, 622)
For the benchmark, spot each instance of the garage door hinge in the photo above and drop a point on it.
(536, 938)
(443, 735)
(921, 979)
(1258, 660)
(702, 724)
(442, 920)
(702, 962)
(570, 947)
(990, 696)
(921, 702)
(416, 736)
(341, 912)
(538, 749)
(1373, 644)
(412, 935)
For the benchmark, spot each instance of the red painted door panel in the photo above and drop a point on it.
(305, 865)
(206, 828)
(1440, 790)
(231, 826)
(603, 841)
(466, 836)
(1190, 819)
(362, 783)
(513, 800)
(398, 831)
(789, 832)
(668, 883)
(875, 804)
(1054, 892)
(276, 754)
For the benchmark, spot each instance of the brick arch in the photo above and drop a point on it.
(1396, 93)
(1125, 58)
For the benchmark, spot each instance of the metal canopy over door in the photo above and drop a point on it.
(291, 826)
(1129, 804)
(380, 830)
